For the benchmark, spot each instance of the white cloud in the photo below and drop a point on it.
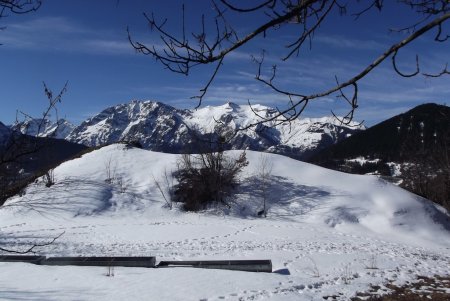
(62, 35)
(101, 46)
(344, 42)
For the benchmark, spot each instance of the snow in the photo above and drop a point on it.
(323, 231)
(361, 160)
(59, 129)
(396, 169)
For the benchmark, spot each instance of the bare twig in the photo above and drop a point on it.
(31, 249)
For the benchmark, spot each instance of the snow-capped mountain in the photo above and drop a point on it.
(59, 129)
(154, 125)
(160, 127)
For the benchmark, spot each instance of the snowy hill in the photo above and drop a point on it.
(327, 233)
(160, 127)
(59, 130)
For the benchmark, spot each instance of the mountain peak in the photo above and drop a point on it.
(232, 105)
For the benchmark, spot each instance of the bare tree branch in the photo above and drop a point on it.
(213, 43)
(444, 71)
(268, 3)
(394, 65)
(18, 6)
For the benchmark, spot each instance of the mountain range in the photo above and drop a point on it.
(160, 127)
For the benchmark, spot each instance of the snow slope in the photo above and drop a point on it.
(323, 232)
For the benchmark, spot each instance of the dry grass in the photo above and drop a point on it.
(425, 288)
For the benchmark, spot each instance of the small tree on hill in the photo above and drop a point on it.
(207, 178)
(263, 174)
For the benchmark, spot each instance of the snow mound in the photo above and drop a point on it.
(327, 233)
(120, 180)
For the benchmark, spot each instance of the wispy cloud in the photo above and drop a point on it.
(239, 55)
(344, 42)
(63, 35)
(104, 46)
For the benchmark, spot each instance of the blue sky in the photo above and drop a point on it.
(85, 43)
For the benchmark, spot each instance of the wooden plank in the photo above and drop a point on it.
(237, 265)
(22, 258)
(146, 262)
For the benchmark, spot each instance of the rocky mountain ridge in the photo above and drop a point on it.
(160, 127)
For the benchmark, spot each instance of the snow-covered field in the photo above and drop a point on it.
(327, 233)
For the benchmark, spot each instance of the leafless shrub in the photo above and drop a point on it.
(166, 189)
(110, 170)
(346, 274)
(207, 178)
(371, 263)
(265, 167)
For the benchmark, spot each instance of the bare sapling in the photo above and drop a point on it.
(264, 173)
(166, 189)
(110, 170)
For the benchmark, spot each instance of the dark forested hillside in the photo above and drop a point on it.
(24, 157)
(411, 149)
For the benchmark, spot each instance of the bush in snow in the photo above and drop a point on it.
(207, 178)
